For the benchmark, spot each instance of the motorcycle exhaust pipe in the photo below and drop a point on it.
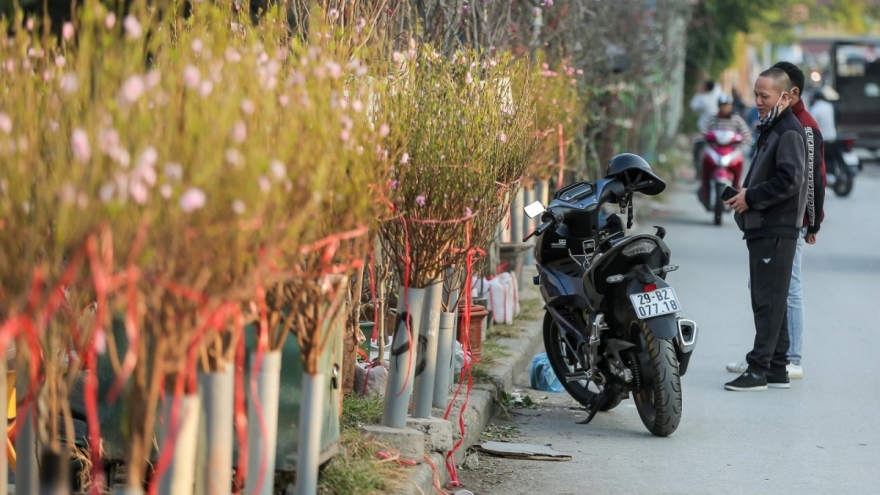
(686, 338)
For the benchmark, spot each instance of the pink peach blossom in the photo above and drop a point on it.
(279, 171)
(420, 201)
(132, 89)
(384, 130)
(404, 159)
(82, 150)
(132, 27)
(206, 88)
(68, 194)
(166, 191)
(264, 183)
(69, 83)
(67, 31)
(191, 76)
(197, 45)
(5, 123)
(232, 56)
(334, 69)
(247, 106)
(148, 159)
(108, 141)
(234, 157)
(110, 20)
(193, 199)
(60, 61)
(283, 100)
(153, 78)
(139, 192)
(239, 132)
(238, 206)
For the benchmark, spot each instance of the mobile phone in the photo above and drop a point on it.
(728, 193)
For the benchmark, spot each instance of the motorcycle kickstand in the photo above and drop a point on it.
(595, 405)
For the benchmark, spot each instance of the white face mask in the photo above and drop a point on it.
(774, 112)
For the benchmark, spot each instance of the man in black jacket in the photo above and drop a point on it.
(770, 211)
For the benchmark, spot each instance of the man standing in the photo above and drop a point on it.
(813, 216)
(770, 211)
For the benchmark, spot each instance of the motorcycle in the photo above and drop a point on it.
(611, 327)
(842, 165)
(722, 164)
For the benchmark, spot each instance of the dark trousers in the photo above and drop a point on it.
(770, 262)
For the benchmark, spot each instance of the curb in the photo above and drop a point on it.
(481, 407)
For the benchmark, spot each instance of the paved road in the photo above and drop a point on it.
(820, 437)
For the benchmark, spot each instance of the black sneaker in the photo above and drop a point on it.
(749, 381)
(778, 379)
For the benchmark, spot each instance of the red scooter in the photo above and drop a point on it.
(722, 166)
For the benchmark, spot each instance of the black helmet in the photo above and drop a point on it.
(633, 169)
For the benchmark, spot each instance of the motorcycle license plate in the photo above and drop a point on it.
(655, 303)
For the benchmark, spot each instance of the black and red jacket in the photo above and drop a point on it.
(815, 172)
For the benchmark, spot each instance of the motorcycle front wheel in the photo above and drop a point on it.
(719, 205)
(563, 361)
(659, 398)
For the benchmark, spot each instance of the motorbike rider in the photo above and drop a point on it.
(725, 119)
(823, 111)
(705, 105)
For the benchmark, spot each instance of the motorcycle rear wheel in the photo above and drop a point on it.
(843, 179)
(659, 399)
(563, 362)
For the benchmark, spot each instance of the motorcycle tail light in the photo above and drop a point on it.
(650, 287)
(848, 144)
(638, 248)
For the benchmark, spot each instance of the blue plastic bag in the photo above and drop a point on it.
(542, 376)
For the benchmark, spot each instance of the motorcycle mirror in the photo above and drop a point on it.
(534, 209)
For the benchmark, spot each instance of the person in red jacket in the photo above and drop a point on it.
(815, 176)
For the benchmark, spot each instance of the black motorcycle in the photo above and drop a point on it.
(610, 327)
(841, 165)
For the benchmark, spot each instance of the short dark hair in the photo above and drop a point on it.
(781, 81)
(795, 74)
(708, 85)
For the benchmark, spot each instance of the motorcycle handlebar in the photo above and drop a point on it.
(540, 230)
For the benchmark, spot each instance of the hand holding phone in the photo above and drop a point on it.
(728, 193)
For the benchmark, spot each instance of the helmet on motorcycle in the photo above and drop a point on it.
(633, 169)
(725, 100)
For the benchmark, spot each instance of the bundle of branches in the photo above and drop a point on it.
(467, 139)
(202, 150)
(558, 105)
